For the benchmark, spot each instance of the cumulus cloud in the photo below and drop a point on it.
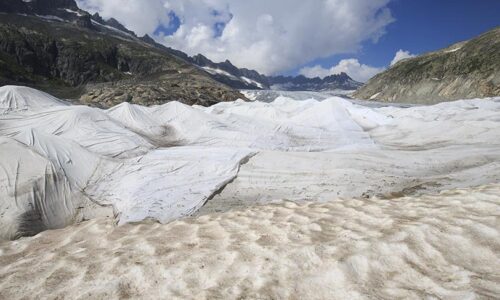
(400, 55)
(352, 67)
(269, 36)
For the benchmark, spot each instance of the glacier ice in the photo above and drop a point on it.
(63, 163)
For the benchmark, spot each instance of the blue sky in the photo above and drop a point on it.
(422, 26)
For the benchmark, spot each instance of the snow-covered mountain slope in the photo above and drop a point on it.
(164, 162)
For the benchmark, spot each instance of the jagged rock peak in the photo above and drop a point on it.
(112, 22)
(147, 39)
(97, 17)
(202, 60)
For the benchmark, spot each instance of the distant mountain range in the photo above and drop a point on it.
(241, 78)
(465, 70)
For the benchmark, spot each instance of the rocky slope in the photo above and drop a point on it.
(469, 69)
(54, 46)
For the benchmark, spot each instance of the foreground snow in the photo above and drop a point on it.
(442, 246)
(62, 163)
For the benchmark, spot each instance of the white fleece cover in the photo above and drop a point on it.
(165, 162)
(58, 159)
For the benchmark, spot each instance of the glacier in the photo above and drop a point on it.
(62, 163)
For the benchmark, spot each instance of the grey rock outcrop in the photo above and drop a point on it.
(469, 69)
(73, 56)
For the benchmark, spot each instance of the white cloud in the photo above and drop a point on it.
(352, 67)
(269, 36)
(400, 55)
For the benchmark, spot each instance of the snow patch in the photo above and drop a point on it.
(74, 12)
(113, 29)
(218, 71)
(453, 50)
(51, 18)
(252, 82)
(374, 96)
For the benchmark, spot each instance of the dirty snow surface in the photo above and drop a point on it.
(293, 198)
(442, 246)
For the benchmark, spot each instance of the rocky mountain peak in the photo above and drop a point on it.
(117, 25)
(97, 17)
(341, 77)
(201, 60)
(111, 22)
(147, 39)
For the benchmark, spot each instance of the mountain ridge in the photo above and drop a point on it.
(465, 70)
(243, 78)
(54, 46)
(95, 91)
